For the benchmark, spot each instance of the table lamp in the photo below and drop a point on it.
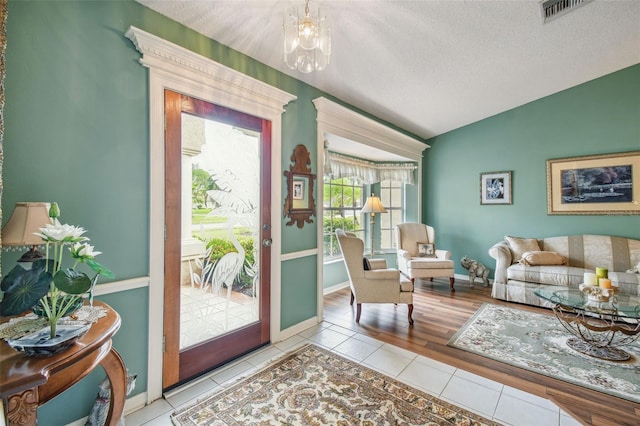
(27, 219)
(373, 205)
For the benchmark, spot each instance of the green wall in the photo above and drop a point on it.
(598, 117)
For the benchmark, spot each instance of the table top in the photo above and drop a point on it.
(622, 305)
(19, 372)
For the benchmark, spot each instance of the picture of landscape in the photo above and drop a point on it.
(597, 185)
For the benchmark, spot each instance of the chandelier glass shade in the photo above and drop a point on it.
(307, 39)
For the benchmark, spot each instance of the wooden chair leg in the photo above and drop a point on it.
(352, 298)
(358, 311)
(410, 313)
(451, 281)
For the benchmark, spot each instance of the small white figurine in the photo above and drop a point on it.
(476, 269)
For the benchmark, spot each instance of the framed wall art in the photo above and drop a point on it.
(607, 184)
(495, 188)
(426, 250)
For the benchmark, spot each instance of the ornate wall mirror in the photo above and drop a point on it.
(300, 205)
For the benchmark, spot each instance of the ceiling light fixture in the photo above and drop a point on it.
(307, 39)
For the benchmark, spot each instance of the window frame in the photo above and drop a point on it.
(333, 253)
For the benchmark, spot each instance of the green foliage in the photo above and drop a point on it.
(201, 182)
(220, 247)
(346, 223)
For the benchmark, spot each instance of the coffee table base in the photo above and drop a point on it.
(602, 352)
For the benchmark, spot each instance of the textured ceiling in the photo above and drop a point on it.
(432, 66)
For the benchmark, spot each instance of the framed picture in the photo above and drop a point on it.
(606, 184)
(495, 188)
(298, 189)
(426, 250)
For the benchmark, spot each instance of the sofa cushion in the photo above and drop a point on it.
(430, 263)
(519, 245)
(533, 258)
(551, 275)
(628, 283)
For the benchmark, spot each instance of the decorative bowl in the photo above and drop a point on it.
(39, 343)
(596, 293)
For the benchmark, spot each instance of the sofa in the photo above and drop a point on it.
(525, 264)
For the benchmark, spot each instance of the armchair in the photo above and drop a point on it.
(379, 284)
(408, 236)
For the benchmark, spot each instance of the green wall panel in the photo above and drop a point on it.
(598, 117)
(298, 276)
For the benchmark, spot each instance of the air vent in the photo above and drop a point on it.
(551, 9)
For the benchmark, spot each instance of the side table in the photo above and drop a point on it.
(28, 382)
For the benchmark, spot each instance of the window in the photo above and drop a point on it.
(392, 197)
(342, 202)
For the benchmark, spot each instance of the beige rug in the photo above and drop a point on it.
(537, 343)
(313, 386)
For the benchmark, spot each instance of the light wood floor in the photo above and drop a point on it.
(438, 314)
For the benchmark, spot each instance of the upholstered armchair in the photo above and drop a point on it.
(378, 284)
(414, 264)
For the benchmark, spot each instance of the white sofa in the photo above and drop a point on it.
(516, 281)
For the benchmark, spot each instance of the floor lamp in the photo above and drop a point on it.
(373, 205)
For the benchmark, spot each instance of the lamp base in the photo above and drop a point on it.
(32, 255)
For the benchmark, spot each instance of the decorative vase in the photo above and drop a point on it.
(63, 308)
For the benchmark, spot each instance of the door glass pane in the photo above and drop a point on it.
(220, 229)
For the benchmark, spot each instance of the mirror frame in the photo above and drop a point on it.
(300, 203)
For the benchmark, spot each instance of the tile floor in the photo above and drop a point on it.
(493, 400)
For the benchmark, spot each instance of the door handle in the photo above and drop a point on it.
(267, 242)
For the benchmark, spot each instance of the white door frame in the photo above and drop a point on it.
(178, 69)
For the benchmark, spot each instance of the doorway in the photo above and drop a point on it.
(217, 238)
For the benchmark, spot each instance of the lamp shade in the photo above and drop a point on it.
(373, 205)
(27, 218)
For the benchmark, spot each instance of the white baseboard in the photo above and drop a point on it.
(292, 331)
(335, 288)
(466, 278)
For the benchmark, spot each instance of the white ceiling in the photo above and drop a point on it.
(432, 66)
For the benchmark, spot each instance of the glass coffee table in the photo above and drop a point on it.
(601, 321)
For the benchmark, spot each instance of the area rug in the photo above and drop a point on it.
(312, 386)
(537, 343)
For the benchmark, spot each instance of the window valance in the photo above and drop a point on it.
(340, 166)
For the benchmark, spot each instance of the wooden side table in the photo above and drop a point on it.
(28, 382)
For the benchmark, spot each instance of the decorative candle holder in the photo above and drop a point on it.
(598, 294)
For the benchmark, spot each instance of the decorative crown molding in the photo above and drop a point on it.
(163, 55)
(344, 122)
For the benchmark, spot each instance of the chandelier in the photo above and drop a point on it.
(307, 39)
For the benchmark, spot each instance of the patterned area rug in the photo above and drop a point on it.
(537, 343)
(312, 386)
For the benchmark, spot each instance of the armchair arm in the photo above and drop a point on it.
(443, 254)
(378, 264)
(501, 253)
(381, 285)
(383, 274)
(403, 260)
(403, 254)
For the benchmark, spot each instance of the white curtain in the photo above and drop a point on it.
(341, 166)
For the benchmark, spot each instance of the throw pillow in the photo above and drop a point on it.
(519, 245)
(426, 250)
(533, 258)
(365, 264)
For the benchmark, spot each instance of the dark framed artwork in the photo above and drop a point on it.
(426, 249)
(607, 184)
(495, 188)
